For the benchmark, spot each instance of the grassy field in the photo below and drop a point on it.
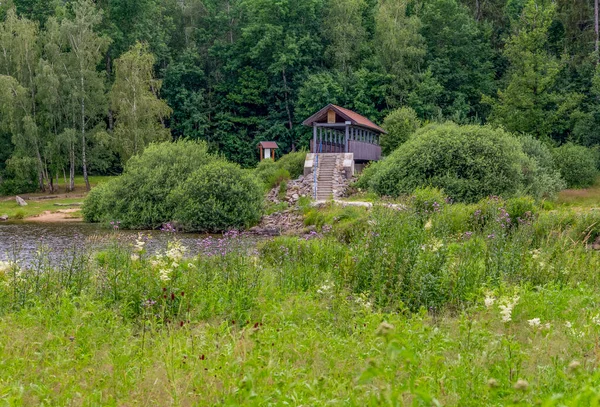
(582, 198)
(456, 305)
(36, 206)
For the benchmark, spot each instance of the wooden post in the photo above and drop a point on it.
(347, 137)
(314, 138)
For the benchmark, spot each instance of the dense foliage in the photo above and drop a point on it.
(272, 173)
(177, 181)
(84, 85)
(467, 162)
(400, 125)
(577, 165)
(218, 196)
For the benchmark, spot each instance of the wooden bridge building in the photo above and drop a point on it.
(340, 130)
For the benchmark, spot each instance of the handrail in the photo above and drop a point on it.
(316, 166)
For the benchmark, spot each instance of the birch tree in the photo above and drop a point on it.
(86, 51)
(139, 112)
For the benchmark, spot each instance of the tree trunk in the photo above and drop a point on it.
(71, 186)
(83, 146)
(597, 30)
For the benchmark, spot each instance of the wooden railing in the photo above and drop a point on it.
(362, 151)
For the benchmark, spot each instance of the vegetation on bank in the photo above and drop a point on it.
(178, 182)
(485, 304)
(472, 162)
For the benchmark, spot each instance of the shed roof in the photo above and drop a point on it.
(268, 144)
(347, 114)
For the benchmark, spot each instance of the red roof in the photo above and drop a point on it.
(347, 114)
(268, 144)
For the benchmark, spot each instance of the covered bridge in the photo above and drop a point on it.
(340, 130)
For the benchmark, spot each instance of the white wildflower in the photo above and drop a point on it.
(507, 308)
(535, 322)
(596, 319)
(547, 325)
(489, 300)
(568, 324)
(165, 275)
(139, 244)
(5, 266)
(191, 265)
(428, 225)
(135, 257)
(326, 288)
(175, 251)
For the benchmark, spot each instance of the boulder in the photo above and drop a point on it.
(4, 217)
(21, 201)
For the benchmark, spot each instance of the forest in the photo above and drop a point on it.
(86, 85)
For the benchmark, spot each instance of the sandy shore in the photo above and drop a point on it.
(63, 215)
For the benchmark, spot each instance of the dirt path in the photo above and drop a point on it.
(64, 215)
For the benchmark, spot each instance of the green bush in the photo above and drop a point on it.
(20, 176)
(467, 162)
(367, 174)
(542, 179)
(577, 165)
(293, 163)
(276, 178)
(400, 125)
(218, 196)
(140, 198)
(265, 170)
(272, 173)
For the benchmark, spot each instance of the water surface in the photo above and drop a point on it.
(61, 240)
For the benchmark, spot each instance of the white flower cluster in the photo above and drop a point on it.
(506, 308)
(489, 300)
(5, 266)
(363, 301)
(326, 288)
(138, 247)
(537, 323)
(169, 261)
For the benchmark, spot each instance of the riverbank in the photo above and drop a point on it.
(440, 305)
(57, 207)
(46, 210)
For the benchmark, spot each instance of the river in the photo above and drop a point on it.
(22, 241)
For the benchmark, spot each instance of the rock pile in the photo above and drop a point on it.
(295, 189)
(288, 222)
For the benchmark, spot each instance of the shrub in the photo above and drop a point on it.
(293, 163)
(272, 173)
(279, 176)
(467, 162)
(577, 165)
(265, 170)
(140, 198)
(367, 174)
(400, 125)
(20, 176)
(218, 196)
(542, 179)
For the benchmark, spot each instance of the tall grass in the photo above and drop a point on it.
(379, 307)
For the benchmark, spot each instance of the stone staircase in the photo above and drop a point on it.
(327, 164)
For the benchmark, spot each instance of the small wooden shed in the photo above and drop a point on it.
(340, 130)
(267, 150)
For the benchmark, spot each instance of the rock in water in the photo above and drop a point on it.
(21, 201)
(4, 217)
